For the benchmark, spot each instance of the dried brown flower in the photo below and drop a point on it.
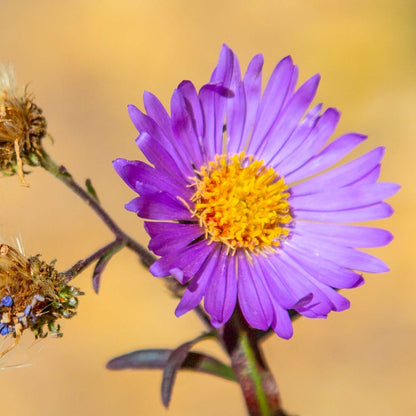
(22, 127)
(33, 295)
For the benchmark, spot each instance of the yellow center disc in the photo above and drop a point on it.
(241, 203)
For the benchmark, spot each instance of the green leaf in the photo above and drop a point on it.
(91, 190)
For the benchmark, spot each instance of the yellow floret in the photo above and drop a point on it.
(241, 203)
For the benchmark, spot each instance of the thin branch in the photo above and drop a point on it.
(122, 239)
(78, 267)
(64, 176)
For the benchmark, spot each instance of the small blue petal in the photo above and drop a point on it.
(6, 301)
(27, 309)
(39, 298)
(5, 330)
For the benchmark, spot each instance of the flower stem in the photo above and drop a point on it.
(251, 370)
(63, 175)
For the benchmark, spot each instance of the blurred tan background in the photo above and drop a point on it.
(85, 61)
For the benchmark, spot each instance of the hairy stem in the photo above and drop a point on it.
(257, 383)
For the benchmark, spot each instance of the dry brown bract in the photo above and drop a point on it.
(22, 126)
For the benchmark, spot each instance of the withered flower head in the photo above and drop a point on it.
(33, 295)
(22, 126)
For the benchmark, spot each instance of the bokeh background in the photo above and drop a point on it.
(85, 61)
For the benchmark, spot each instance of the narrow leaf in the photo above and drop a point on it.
(101, 264)
(98, 270)
(173, 364)
(91, 190)
(157, 359)
(209, 365)
(140, 359)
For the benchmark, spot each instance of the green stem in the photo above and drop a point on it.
(257, 383)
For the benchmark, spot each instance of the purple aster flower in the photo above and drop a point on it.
(241, 203)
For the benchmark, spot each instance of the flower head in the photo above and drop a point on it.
(22, 126)
(32, 295)
(241, 203)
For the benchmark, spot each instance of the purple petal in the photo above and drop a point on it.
(213, 106)
(325, 297)
(136, 172)
(159, 206)
(274, 96)
(297, 138)
(285, 291)
(221, 293)
(243, 108)
(253, 297)
(325, 271)
(159, 157)
(183, 128)
(191, 97)
(281, 322)
(341, 176)
(343, 256)
(154, 229)
(145, 124)
(197, 287)
(332, 154)
(340, 302)
(213, 103)
(236, 119)
(330, 299)
(182, 264)
(289, 118)
(298, 280)
(157, 112)
(347, 235)
(169, 236)
(370, 177)
(227, 69)
(350, 197)
(252, 88)
(123, 169)
(320, 134)
(371, 212)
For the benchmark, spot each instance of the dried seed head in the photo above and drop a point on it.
(22, 126)
(32, 295)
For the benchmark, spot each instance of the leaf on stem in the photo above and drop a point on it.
(173, 364)
(62, 170)
(98, 270)
(100, 266)
(91, 190)
(150, 359)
